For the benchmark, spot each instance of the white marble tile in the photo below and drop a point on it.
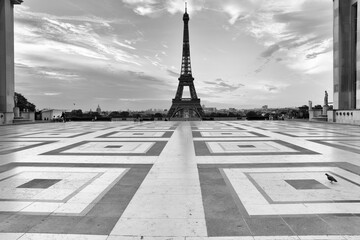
(10, 236)
(276, 238)
(221, 238)
(144, 238)
(137, 134)
(322, 237)
(45, 236)
(227, 134)
(72, 208)
(103, 147)
(11, 145)
(39, 207)
(160, 227)
(247, 147)
(52, 135)
(16, 206)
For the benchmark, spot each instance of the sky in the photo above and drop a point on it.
(126, 54)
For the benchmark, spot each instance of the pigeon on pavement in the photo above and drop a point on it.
(330, 178)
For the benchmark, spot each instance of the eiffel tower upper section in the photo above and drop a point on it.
(186, 62)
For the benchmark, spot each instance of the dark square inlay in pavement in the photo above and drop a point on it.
(246, 146)
(113, 146)
(40, 183)
(306, 184)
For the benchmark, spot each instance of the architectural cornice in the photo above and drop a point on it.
(16, 1)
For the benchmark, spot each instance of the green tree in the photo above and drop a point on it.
(124, 114)
(76, 113)
(251, 114)
(231, 114)
(114, 114)
(158, 115)
(22, 103)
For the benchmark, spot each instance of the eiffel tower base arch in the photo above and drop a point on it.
(185, 109)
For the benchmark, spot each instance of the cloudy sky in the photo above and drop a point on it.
(126, 54)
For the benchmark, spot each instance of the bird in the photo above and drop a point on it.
(330, 178)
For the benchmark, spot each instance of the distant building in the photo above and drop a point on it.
(50, 114)
(223, 111)
(209, 109)
(98, 110)
(265, 107)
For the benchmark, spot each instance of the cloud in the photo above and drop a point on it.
(142, 76)
(262, 66)
(144, 10)
(139, 1)
(88, 37)
(270, 51)
(154, 8)
(172, 73)
(234, 13)
(270, 87)
(298, 31)
(52, 93)
(315, 54)
(124, 45)
(220, 85)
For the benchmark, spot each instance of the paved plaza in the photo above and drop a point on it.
(179, 180)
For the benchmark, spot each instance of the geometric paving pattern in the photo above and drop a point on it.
(53, 135)
(254, 196)
(313, 133)
(110, 148)
(224, 134)
(84, 200)
(39, 183)
(180, 180)
(137, 134)
(67, 191)
(346, 144)
(248, 147)
(7, 147)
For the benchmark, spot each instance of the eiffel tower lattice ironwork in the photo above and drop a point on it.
(186, 107)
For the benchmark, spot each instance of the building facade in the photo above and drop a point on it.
(346, 99)
(51, 114)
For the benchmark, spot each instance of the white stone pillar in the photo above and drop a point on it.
(7, 58)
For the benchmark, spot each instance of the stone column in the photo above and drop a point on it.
(358, 60)
(7, 58)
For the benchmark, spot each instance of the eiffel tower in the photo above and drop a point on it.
(186, 107)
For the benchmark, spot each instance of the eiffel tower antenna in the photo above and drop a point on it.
(186, 107)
